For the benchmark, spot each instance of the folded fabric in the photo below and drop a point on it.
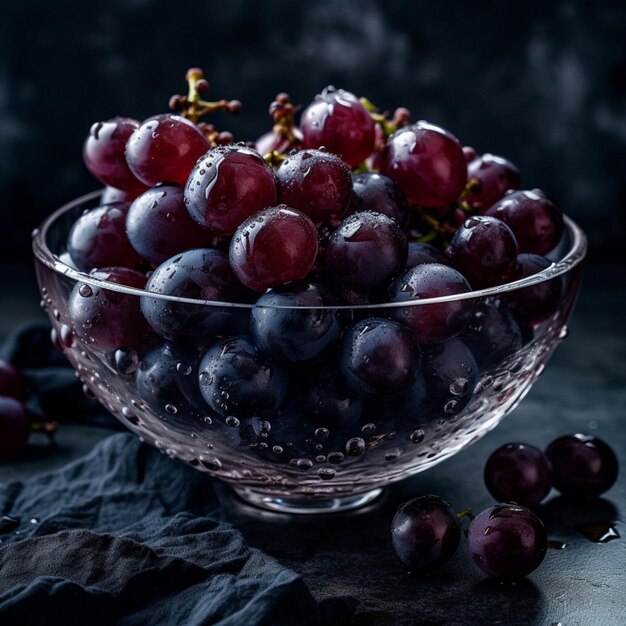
(128, 536)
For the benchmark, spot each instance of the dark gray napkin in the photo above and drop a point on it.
(127, 536)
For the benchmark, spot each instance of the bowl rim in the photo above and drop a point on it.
(574, 255)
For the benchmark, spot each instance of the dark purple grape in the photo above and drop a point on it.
(494, 177)
(484, 250)
(273, 247)
(201, 274)
(492, 334)
(103, 154)
(507, 541)
(366, 250)
(11, 382)
(98, 239)
(428, 164)
(158, 225)
(337, 121)
(432, 323)
(425, 533)
(421, 253)
(111, 195)
(379, 356)
(374, 192)
(326, 398)
(290, 333)
(237, 380)
(227, 186)
(104, 318)
(450, 374)
(14, 427)
(531, 306)
(520, 473)
(164, 149)
(582, 465)
(536, 222)
(167, 380)
(315, 182)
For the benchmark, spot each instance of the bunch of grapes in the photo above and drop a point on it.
(349, 207)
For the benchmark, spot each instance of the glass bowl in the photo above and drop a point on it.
(324, 448)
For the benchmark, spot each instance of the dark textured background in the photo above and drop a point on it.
(543, 83)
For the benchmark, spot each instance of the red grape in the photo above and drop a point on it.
(228, 185)
(103, 154)
(428, 164)
(159, 226)
(339, 122)
(108, 319)
(315, 182)
(273, 247)
(536, 222)
(98, 239)
(494, 176)
(164, 149)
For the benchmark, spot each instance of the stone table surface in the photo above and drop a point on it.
(583, 389)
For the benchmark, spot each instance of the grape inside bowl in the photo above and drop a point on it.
(303, 407)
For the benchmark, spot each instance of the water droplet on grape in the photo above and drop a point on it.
(205, 379)
(355, 446)
(211, 463)
(451, 406)
(417, 436)
(303, 464)
(232, 421)
(335, 457)
(66, 336)
(277, 450)
(326, 473)
(368, 429)
(392, 455)
(85, 291)
(322, 434)
(126, 361)
(459, 386)
(170, 408)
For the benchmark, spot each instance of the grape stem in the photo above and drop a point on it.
(192, 106)
(466, 513)
(401, 117)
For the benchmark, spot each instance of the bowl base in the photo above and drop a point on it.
(300, 506)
